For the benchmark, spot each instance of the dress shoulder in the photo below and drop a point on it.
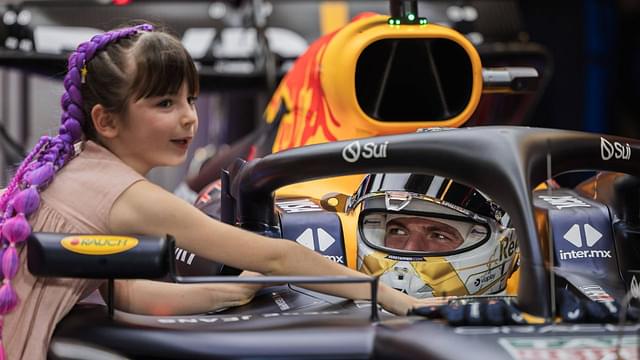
(84, 191)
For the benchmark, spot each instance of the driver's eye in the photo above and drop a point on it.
(398, 231)
(442, 236)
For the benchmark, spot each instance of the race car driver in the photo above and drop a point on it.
(431, 236)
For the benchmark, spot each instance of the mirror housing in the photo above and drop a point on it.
(99, 256)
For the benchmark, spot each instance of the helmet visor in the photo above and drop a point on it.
(421, 234)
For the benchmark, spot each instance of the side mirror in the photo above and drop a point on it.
(99, 256)
(512, 80)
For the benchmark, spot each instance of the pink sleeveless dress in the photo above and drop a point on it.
(78, 201)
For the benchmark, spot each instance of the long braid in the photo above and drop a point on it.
(21, 198)
(13, 185)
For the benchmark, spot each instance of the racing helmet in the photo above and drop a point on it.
(431, 236)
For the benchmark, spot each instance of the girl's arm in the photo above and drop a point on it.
(145, 208)
(162, 298)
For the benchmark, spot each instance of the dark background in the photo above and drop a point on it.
(590, 69)
(594, 45)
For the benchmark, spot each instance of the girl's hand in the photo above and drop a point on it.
(396, 302)
(251, 289)
(434, 301)
(247, 273)
(399, 303)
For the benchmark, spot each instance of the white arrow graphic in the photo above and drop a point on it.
(573, 236)
(324, 239)
(591, 234)
(306, 238)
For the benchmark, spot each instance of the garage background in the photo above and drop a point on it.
(591, 64)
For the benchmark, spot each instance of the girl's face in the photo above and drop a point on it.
(157, 131)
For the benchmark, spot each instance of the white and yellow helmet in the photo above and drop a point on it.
(430, 236)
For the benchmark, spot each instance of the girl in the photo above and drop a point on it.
(130, 101)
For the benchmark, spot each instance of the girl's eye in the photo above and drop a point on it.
(192, 100)
(165, 103)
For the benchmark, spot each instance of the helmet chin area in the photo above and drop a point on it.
(403, 277)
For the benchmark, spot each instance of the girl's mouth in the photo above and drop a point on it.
(182, 143)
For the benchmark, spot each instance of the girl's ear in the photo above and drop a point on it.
(104, 122)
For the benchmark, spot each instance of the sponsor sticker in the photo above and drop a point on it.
(280, 301)
(584, 241)
(563, 202)
(597, 293)
(555, 329)
(184, 256)
(404, 258)
(354, 151)
(298, 206)
(609, 150)
(508, 247)
(204, 320)
(98, 244)
(478, 281)
(322, 242)
(324, 239)
(232, 319)
(587, 348)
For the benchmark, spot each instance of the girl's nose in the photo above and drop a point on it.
(189, 117)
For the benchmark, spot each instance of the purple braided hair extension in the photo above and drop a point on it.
(21, 198)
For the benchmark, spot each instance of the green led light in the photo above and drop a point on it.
(398, 22)
(390, 21)
(411, 17)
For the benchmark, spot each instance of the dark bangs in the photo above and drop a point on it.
(162, 65)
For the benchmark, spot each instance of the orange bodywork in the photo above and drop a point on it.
(319, 90)
(319, 96)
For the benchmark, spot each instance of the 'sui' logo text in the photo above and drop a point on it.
(591, 235)
(353, 152)
(610, 150)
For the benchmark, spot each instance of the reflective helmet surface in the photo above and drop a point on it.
(430, 236)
